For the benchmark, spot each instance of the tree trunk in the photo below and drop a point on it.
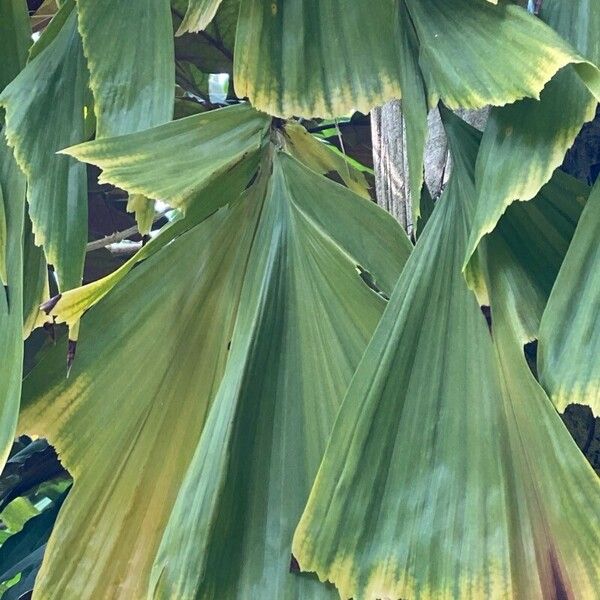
(388, 132)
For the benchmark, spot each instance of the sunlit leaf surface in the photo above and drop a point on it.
(430, 486)
(297, 67)
(48, 96)
(523, 143)
(253, 322)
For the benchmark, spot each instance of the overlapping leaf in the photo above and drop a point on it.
(133, 83)
(132, 80)
(569, 345)
(212, 49)
(265, 301)
(198, 15)
(427, 489)
(14, 40)
(205, 145)
(318, 157)
(11, 297)
(45, 113)
(534, 237)
(297, 67)
(523, 143)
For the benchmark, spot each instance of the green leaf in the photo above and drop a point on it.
(426, 489)
(296, 67)
(251, 322)
(17, 513)
(3, 241)
(205, 145)
(12, 184)
(133, 84)
(210, 50)
(198, 15)
(15, 39)
(533, 237)
(35, 281)
(21, 552)
(524, 143)
(48, 96)
(132, 80)
(569, 342)
(319, 157)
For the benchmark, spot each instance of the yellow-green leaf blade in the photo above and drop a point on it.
(525, 142)
(48, 96)
(425, 490)
(569, 344)
(205, 146)
(133, 81)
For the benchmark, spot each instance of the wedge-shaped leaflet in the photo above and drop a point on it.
(534, 238)
(302, 325)
(198, 15)
(297, 67)
(423, 491)
(569, 345)
(205, 146)
(316, 155)
(132, 80)
(12, 184)
(35, 281)
(523, 143)
(45, 113)
(14, 41)
(251, 322)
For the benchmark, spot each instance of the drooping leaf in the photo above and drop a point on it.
(204, 145)
(133, 80)
(35, 281)
(525, 142)
(296, 67)
(45, 113)
(317, 156)
(534, 237)
(426, 489)
(253, 298)
(569, 343)
(15, 39)
(23, 552)
(12, 184)
(133, 85)
(211, 50)
(198, 15)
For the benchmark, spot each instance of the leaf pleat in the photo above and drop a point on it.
(205, 145)
(471, 54)
(525, 142)
(45, 113)
(239, 337)
(569, 344)
(427, 489)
